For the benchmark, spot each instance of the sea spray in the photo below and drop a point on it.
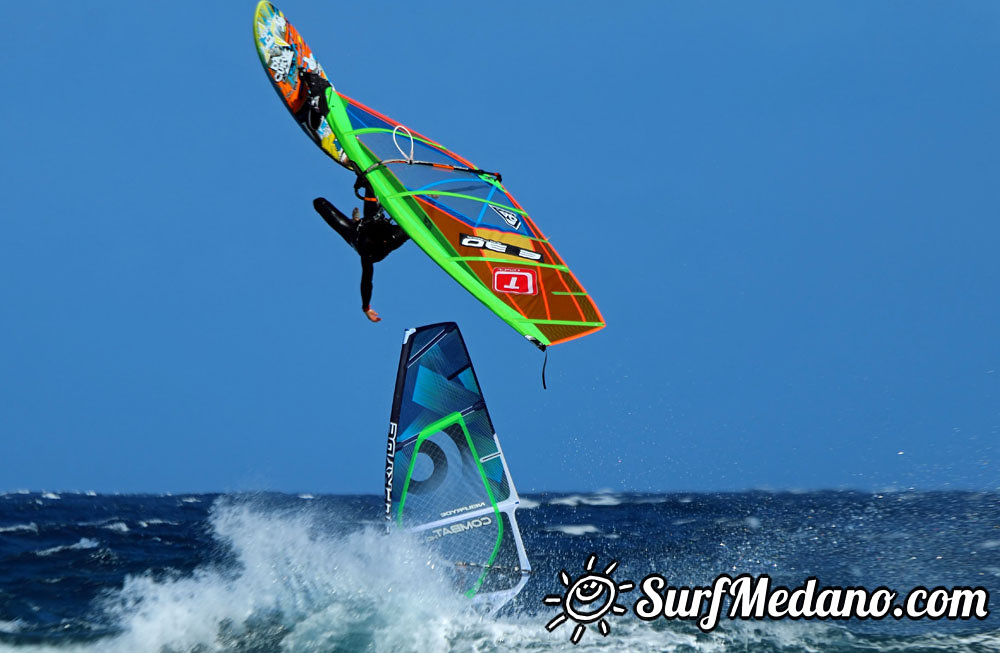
(284, 575)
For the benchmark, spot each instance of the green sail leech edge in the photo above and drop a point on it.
(426, 432)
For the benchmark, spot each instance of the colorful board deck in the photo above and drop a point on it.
(283, 53)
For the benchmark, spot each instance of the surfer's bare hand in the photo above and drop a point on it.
(372, 315)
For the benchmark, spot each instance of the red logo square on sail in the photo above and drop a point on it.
(517, 281)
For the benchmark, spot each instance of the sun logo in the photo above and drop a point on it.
(588, 599)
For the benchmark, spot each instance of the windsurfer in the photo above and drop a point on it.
(314, 108)
(373, 236)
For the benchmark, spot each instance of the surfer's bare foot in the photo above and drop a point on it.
(372, 315)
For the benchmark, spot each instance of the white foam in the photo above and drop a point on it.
(527, 504)
(318, 585)
(152, 522)
(14, 626)
(574, 529)
(50, 495)
(103, 523)
(84, 543)
(306, 496)
(19, 528)
(118, 527)
(587, 500)
(191, 500)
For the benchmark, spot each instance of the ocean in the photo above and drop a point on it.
(277, 572)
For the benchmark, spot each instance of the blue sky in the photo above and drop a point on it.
(787, 212)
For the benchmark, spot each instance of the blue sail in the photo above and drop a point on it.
(446, 477)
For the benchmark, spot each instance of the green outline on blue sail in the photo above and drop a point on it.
(400, 205)
(428, 431)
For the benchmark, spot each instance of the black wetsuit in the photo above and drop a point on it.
(314, 108)
(374, 237)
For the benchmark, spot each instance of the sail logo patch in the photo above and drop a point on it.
(459, 527)
(515, 281)
(508, 216)
(449, 513)
(390, 457)
(497, 246)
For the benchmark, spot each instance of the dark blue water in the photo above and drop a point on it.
(287, 573)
